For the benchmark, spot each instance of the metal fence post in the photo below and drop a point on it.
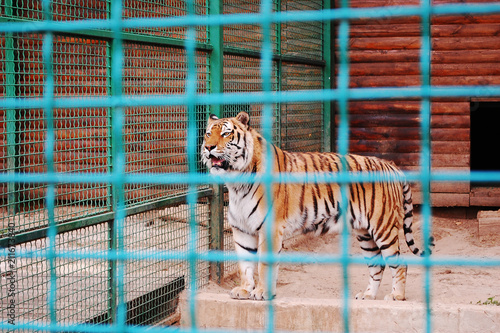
(11, 121)
(278, 74)
(112, 195)
(216, 205)
(216, 230)
(425, 155)
(328, 56)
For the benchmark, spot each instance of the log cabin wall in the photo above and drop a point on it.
(385, 53)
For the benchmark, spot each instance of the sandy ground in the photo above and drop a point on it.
(455, 237)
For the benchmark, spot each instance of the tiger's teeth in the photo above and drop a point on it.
(217, 161)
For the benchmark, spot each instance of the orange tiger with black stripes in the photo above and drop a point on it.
(375, 213)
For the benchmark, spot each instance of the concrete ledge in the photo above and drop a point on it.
(220, 311)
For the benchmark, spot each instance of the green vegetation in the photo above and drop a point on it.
(489, 301)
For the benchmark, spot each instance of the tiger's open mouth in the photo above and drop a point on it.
(219, 163)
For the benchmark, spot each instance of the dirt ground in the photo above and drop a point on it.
(454, 237)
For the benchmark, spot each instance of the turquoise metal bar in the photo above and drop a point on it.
(48, 97)
(266, 68)
(199, 178)
(425, 155)
(305, 258)
(118, 309)
(343, 149)
(258, 97)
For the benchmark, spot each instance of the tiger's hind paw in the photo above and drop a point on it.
(239, 293)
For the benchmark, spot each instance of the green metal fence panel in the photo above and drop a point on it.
(301, 123)
(82, 142)
(106, 213)
(247, 37)
(159, 9)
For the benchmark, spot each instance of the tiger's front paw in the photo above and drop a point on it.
(394, 297)
(240, 293)
(365, 296)
(259, 294)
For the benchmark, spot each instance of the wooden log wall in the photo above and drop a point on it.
(385, 53)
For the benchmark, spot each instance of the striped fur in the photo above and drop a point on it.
(375, 211)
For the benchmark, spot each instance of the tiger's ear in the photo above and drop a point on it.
(212, 118)
(243, 118)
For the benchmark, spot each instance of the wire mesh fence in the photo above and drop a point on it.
(106, 214)
(83, 217)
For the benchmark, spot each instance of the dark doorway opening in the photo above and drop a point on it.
(485, 137)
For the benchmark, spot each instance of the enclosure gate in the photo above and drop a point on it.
(106, 211)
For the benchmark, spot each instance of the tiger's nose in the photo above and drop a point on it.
(209, 148)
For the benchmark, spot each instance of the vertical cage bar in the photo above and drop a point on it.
(8, 8)
(425, 157)
(190, 92)
(278, 74)
(110, 188)
(343, 148)
(217, 230)
(48, 100)
(109, 117)
(118, 309)
(266, 68)
(216, 73)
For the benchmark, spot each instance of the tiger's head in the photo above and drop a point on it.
(227, 144)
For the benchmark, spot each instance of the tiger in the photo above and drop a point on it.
(375, 211)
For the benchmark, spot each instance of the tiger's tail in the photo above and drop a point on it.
(408, 221)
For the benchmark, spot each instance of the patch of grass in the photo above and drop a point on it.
(489, 301)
